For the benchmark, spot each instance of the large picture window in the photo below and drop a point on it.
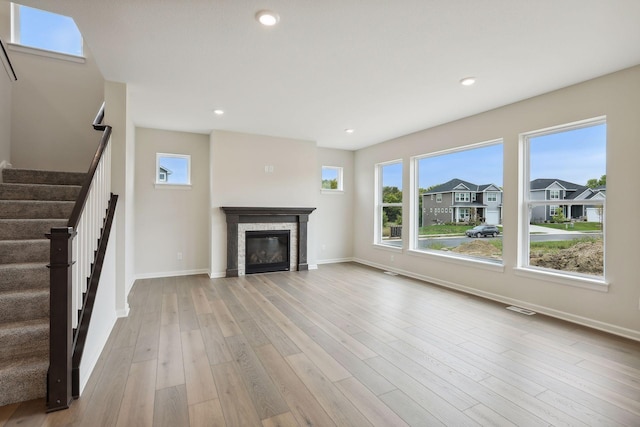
(467, 222)
(389, 206)
(563, 200)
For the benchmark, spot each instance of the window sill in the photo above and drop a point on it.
(396, 249)
(583, 282)
(460, 260)
(172, 186)
(327, 191)
(47, 53)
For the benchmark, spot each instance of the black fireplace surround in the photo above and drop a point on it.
(258, 215)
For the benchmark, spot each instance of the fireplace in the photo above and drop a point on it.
(266, 251)
(243, 221)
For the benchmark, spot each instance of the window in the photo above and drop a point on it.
(332, 178)
(438, 198)
(448, 175)
(389, 210)
(173, 169)
(564, 241)
(45, 30)
(462, 197)
(492, 196)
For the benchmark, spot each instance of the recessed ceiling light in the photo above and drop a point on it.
(349, 130)
(267, 18)
(218, 112)
(468, 81)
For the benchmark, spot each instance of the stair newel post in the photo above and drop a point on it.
(59, 385)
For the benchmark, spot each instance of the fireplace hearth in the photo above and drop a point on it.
(243, 220)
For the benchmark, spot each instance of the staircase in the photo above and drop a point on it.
(31, 202)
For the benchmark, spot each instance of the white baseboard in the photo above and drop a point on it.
(334, 261)
(160, 274)
(124, 312)
(218, 275)
(580, 320)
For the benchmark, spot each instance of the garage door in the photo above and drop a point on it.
(593, 215)
(493, 217)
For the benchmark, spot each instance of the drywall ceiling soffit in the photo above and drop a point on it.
(383, 68)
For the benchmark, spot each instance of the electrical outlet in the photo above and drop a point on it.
(179, 256)
(393, 258)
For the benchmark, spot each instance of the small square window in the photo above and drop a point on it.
(173, 169)
(332, 178)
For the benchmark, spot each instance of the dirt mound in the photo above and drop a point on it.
(583, 257)
(479, 248)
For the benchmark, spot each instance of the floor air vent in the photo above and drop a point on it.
(521, 310)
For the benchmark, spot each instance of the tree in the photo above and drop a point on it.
(330, 184)
(595, 182)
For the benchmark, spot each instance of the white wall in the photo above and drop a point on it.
(5, 117)
(334, 216)
(238, 178)
(5, 93)
(122, 179)
(618, 97)
(53, 104)
(169, 219)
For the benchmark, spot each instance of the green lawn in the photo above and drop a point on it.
(559, 244)
(577, 226)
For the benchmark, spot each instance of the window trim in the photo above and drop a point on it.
(379, 205)
(340, 176)
(17, 46)
(526, 205)
(413, 238)
(161, 184)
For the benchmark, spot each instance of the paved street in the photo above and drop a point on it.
(541, 234)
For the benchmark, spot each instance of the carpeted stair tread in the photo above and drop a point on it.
(24, 251)
(24, 378)
(31, 203)
(24, 305)
(38, 192)
(35, 209)
(24, 228)
(24, 339)
(23, 276)
(28, 176)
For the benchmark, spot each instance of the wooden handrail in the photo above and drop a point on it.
(97, 122)
(82, 197)
(8, 61)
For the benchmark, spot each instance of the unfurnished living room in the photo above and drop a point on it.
(335, 213)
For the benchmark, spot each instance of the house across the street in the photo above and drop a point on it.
(462, 201)
(565, 192)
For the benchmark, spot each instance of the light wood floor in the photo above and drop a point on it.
(344, 345)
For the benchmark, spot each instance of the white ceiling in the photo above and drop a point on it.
(385, 68)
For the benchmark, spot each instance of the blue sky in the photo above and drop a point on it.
(178, 168)
(46, 30)
(575, 156)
